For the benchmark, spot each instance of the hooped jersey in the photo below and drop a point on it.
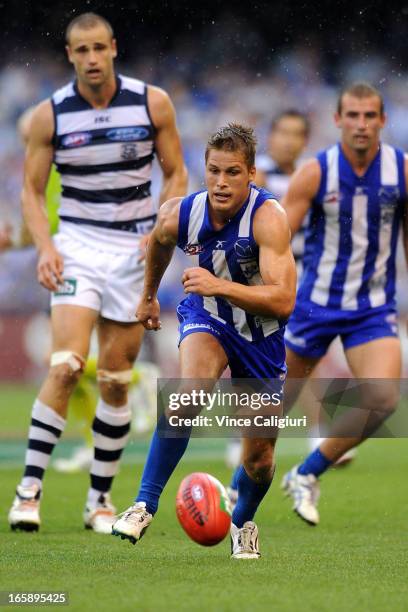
(351, 238)
(104, 157)
(230, 253)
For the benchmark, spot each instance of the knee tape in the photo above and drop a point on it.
(75, 361)
(122, 377)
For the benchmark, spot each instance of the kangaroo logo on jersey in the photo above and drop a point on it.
(388, 198)
(193, 249)
(128, 133)
(243, 248)
(79, 139)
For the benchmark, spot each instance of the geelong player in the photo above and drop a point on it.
(355, 194)
(102, 131)
(234, 313)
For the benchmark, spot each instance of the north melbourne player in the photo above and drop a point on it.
(234, 313)
(102, 131)
(355, 194)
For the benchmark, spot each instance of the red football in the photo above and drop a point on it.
(203, 509)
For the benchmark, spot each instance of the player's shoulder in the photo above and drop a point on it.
(132, 84)
(169, 207)
(41, 121)
(160, 106)
(268, 208)
(62, 93)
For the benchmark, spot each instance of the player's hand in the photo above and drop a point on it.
(200, 281)
(50, 268)
(143, 247)
(148, 313)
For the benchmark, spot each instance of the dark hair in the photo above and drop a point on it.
(291, 112)
(86, 21)
(234, 137)
(361, 89)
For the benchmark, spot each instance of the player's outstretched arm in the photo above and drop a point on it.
(276, 297)
(39, 155)
(162, 242)
(167, 144)
(303, 187)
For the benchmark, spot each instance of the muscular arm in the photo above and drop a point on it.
(303, 187)
(168, 145)
(276, 297)
(162, 242)
(39, 155)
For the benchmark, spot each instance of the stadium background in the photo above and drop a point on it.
(219, 62)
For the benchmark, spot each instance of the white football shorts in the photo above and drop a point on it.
(110, 283)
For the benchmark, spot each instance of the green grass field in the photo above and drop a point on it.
(357, 559)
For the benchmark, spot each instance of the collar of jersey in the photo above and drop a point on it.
(118, 87)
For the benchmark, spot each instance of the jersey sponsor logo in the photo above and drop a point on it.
(68, 287)
(193, 249)
(243, 248)
(79, 139)
(128, 133)
(220, 244)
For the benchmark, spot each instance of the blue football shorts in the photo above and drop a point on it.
(312, 328)
(264, 359)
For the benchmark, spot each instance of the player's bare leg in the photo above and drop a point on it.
(377, 359)
(201, 357)
(380, 359)
(119, 345)
(71, 330)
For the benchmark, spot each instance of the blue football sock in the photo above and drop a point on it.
(250, 495)
(316, 463)
(234, 479)
(164, 455)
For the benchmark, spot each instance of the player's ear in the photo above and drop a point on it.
(69, 54)
(114, 48)
(337, 119)
(252, 173)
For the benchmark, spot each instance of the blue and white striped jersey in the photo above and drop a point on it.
(351, 238)
(105, 159)
(229, 253)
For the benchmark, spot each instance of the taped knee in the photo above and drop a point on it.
(113, 377)
(72, 359)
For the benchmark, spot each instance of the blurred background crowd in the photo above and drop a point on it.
(220, 63)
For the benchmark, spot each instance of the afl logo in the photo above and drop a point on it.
(76, 140)
(243, 248)
(128, 133)
(197, 493)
